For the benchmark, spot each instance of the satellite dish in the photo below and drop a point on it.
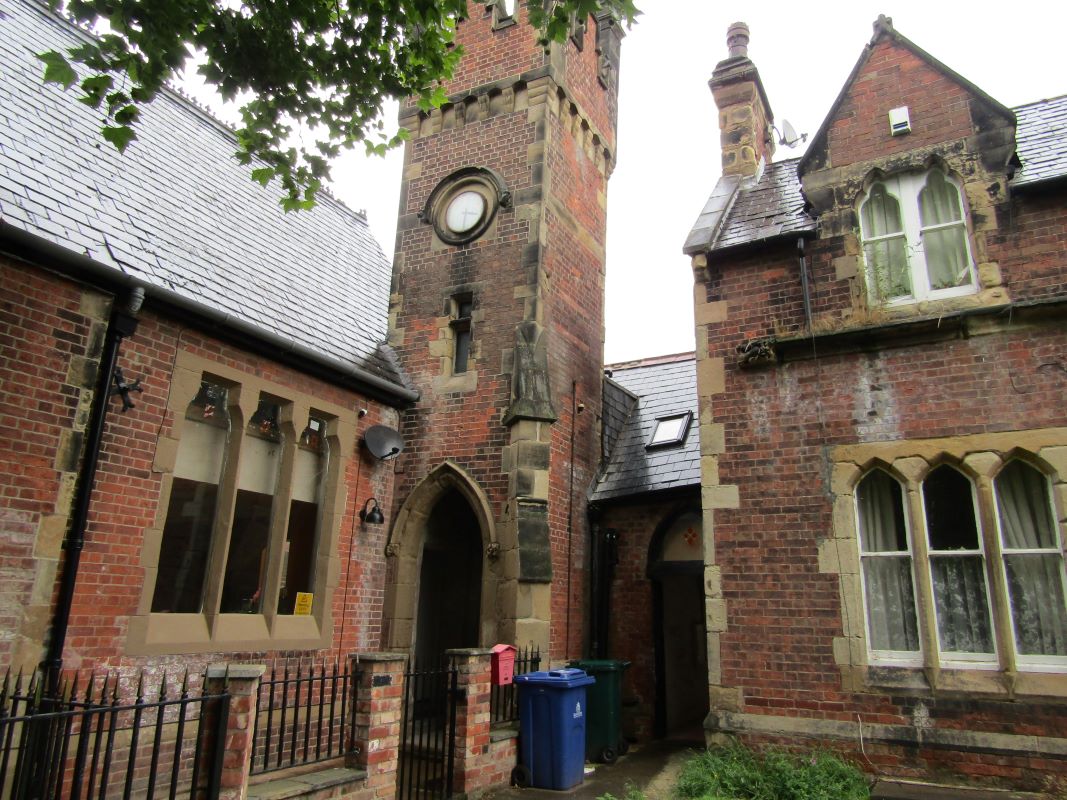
(383, 442)
(790, 137)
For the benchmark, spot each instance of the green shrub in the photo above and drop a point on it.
(737, 773)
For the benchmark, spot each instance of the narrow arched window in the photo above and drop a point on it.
(957, 566)
(889, 591)
(1033, 561)
(187, 533)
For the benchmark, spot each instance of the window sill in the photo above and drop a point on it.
(968, 682)
(165, 634)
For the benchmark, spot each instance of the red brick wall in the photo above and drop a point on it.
(45, 332)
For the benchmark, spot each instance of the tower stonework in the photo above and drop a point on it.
(496, 316)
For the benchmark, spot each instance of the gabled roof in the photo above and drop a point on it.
(662, 387)
(177, 213)
(742, 211)
(1041, 141)
(883, 30)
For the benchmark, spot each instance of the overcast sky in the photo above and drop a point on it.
(668, 155)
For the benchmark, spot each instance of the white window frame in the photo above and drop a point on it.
(998, 600)
(1035, 663)
(899, 658)
(905, 188)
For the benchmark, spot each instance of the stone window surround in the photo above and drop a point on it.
(170, 633)
(906, 188)
(980, 457)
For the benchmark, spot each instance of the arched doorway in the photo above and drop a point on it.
(442, 579)
(676, 567)
(450, 579)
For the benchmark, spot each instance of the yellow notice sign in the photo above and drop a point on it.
(303, 603)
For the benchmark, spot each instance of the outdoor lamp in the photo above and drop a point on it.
(374, 515)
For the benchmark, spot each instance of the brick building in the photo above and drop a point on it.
(881, 343)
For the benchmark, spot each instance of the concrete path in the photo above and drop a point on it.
(652, 768)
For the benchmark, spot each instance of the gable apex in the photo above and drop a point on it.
(884, 32)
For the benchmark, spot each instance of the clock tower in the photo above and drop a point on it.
(496, 316)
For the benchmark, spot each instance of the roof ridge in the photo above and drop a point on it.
(651, 361)
(1040, 102)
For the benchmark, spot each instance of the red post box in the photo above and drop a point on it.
(503, 664)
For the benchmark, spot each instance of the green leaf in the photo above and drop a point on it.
(127, 115)
(57, 69)
(118, 135)
(262, 175)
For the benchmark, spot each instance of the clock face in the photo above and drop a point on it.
(465, 211)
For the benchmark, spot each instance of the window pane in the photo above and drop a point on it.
(881, 514)
(880, 213)
(960, 604)
(950, 522)
(246, 561)
(309, 467)
(463, 350)
(186, 540)
(946, 258)
(887, 263)
(890, 604)
(939, 201)
(1039, 614)
(1024, 508)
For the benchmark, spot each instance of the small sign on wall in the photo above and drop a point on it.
(302, 607)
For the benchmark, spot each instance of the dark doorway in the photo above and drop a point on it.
(450, 580)
(680, 630)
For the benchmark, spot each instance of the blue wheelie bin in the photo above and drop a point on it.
(552, 728)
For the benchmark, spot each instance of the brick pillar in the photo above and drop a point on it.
(472, 720)
(242, 682)
(379, 687)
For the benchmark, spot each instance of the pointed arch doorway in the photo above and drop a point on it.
(676, 569)
(441, 582)
(450, 579)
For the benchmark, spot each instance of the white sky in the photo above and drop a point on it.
(668, 156)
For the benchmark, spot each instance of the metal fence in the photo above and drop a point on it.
(305, 714)
(428, 732)
(503, 701)
(83, 739)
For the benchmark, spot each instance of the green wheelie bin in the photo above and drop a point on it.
(603, 730)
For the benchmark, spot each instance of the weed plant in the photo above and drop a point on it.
(736, 773)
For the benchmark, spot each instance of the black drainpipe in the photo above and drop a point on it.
(122, 323)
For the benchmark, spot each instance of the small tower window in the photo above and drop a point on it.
(463, 306)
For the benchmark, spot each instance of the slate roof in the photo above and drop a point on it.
(741, 211)
(1041, 141)
(177, 211)
(652, 389)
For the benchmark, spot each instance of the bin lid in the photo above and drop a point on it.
(558, 678)
(595, 665)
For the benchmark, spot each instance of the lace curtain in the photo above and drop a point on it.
(887, 578)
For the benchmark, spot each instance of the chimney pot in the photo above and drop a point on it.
(737, 40)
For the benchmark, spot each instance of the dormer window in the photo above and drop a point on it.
(670, 430)
(915, 239)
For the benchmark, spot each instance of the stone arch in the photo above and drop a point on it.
(405, 550)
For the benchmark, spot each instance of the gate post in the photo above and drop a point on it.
(378, 696)
(476, 766)
(242, 683)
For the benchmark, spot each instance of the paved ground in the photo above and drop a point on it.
(652, 768)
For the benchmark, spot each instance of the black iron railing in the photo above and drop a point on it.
(305, 714)
(428, 733)
(81, 741)
(503, 701)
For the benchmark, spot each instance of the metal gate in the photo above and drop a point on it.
(428, 732)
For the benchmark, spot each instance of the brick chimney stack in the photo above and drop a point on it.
(745, 114)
